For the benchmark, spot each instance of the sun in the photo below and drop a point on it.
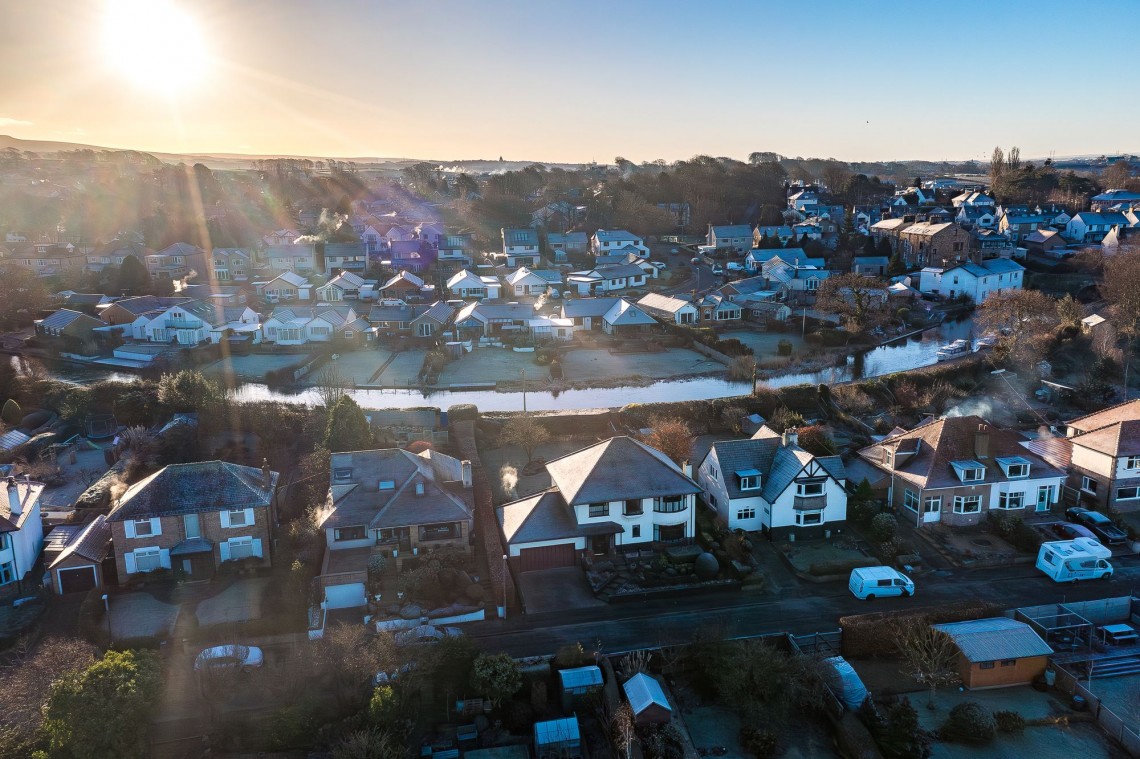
(155, 44)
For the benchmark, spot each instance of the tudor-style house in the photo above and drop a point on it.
(393, 503)
(190, 518)
(768, 483)
(611, 496)
(1105, 457)
(956, 469)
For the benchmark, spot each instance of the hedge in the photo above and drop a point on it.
(874, 634)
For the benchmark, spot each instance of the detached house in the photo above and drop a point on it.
(613, 495)
(466, 285)
(191, 518)
(669, 308)
(768, 483)
(1092, 227)
(298, 325)
(524, 281)
(1020, 226)
(609, 241)
(344, 286)
(520, 246)
(734, 238)
(956, 469)
(392, 503)
(231, 264)
(21, 531)
(493, 320)
(403, 285)
(286, 286)
(976, 281)
(195, 322)
(457, 251)
(1105, 457)
(928, 242)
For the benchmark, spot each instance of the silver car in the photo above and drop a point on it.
(245, 658)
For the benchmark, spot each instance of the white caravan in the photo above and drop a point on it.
(1076, 559)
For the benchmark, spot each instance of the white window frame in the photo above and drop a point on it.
(801, 489)
(911, 500)
(1006, 498)
(1086, 481)
(241, 515)
(150, 533)
(750, 482)
(802, 518)
(147, 553)
(747, 512)
(1132, 462)
(967, 474)
(932, 504)
(243, 543)
(1022, 471)
(960, 504)
(1135, 493)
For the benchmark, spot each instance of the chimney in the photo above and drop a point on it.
(982, 442)
(791, 437)
(266, 475)
(419, 487)
(465, 473)
(687, 468)
(14, 497)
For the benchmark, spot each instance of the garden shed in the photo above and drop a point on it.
(557, 738)
(647, 698)
(578, 683)
(998, 652)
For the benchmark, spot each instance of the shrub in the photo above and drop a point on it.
(784, 348)
(1009, 722)
(884, 527)
(969, 722)
(760, 742)
(463, 412)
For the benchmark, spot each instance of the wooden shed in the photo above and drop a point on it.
(647, 698)
(998, 652)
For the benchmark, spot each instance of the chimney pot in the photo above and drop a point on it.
(791, 437)
(14, 505)
(266, 474)
(982, 442)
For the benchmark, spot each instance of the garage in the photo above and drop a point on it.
(344, 596)
(547, 557)
(77, 579)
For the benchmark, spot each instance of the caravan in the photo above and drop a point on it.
(1072, 560)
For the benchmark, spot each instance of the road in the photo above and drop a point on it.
(803, 609)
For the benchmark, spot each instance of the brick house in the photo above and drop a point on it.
(926, 243)
(956, 469)
(191, 518)
(1105, 457)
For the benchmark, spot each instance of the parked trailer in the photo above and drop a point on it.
(1072, 560)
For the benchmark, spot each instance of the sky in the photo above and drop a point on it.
(571, 81)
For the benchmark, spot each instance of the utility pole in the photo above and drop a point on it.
(522, 376)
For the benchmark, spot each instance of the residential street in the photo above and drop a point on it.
(804, 609)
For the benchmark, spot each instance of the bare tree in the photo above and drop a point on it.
(1013, 160)
(331, 386)
(670, 436)
(1121, 288)
(525, 432)
(1025, 319)
(352, 655)
(633, 663)
(997, 164)
(860, 301)
(622, 729)
(26, 680)
(929, 655)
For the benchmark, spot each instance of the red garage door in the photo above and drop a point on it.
(547, 557)
(76, 579)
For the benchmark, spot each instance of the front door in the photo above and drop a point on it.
(600, 545)
(188, 567)
(932, 509)
(1046, 495)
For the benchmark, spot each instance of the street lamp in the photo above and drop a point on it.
(107, 614)
(522, 376)
(504, 614)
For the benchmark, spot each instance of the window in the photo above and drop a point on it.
(7, 573)
(973, 475)
(147, 559)
(1009, 662)
(809, 517)
(632, 508)
(1017, 470)
(1011, 500)
(635, 531)
(348, 334)
(808, 489)
(387, 485)
(986, 665)
(342, 473)
(1088, 484)
(748, 513)
(1132, 462)
(599, 509)
(910, 500)
(240, 548)
(356, 532)
(714, 473)
(143, 528)
(669, 504)
(932, 505)
(1126, 494)
(967, 504)
(190, 526)
(750, 482)
(238, 518)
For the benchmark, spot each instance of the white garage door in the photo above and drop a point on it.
(344, 596)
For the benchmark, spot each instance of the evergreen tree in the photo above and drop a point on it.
(884, 247)
(348, 429)
(869, 246)
(897, 265)
(133, 278)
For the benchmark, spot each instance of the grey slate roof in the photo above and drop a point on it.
(195, 488)
(995, 639)
(617, 469)
(583, 307)
(193, 545)
(738, 455)
(378, 314)
(546, 516)
(62, 319)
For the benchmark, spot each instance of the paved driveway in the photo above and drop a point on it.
(556, 590)
(240, 602)
(141, 615)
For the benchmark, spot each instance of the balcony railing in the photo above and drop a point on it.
(809, 503)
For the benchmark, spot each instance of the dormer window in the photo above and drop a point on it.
(341, 474)
(1015, 467)
(749, 479)
(969, 471)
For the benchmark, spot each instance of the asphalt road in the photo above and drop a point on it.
(804, 609)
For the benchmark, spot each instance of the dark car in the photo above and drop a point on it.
(1102, 526)
(1070, 531)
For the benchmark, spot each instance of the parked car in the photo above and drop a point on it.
(426, 634)
(869, 583)
(717, 269)
(657, 264)
(695, 260)
(1069, 531)
(1103, 527)
(245, 658)
(734, 266)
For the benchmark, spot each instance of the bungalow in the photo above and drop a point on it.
(128, 310)
(617, 240)
(716, 307)
(781, 232)
(606, 279)
(433, 321)
(871, 266)
(92, 304)
(404, 285)
(493, 319)
(1089, 227)
(344, 286)
(466, 285)
(997, 652)
(773, 263)
(286, 286)
(768, 483)
(299, 325)
(625, 319)
(733, 238)
(193, 517)
(976, 281)
(77, 565)
(21, 531)
(524, 281)
(613, 495)
(71, 331)
(391, 315)
(587, 313)
(196, 322)
(520, 247)
(551, 328)
(390, 503)
(669, 308)
(954, 470)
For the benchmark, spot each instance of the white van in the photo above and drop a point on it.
(1076, 559)
(879, 582)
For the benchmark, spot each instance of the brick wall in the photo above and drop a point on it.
(486, 525)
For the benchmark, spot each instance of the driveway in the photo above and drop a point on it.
(556, 590)
(141, 615)
(240, 602)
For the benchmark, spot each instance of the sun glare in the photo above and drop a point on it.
(154, 43)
